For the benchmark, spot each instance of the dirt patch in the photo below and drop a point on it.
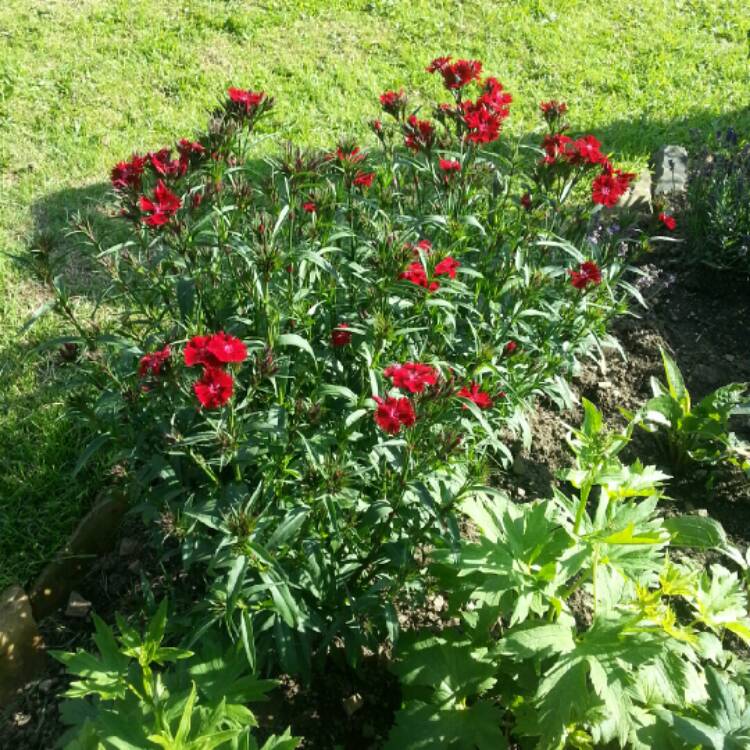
(700, 316)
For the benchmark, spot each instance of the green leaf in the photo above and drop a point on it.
(537, 640)
(421, 726)
(676, 384)
(88, 452)
(695, 531)
(449, 664)
(293, 339)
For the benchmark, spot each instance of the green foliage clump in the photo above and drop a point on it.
(582, 624)
(138, 694)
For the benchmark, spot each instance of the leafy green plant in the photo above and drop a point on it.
(138, 693)
(718, 215)
(583, 623)
(688, 434)
(301, 364)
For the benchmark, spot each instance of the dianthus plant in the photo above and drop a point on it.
(302, 363)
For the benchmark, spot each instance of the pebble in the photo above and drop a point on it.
(77, 605)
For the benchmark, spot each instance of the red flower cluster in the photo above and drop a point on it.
(668, 220)
(393, 102)
(481, 398)
(510, 348)
(341, 336)
(393, 413)
(417, 275)
(363, 179)
(215, 387)
(583, 151)
(449, 166)
(164, 165)
(553, 110)
(352, 156)
(588, 273)
(411, 376)
(485, 116)
(247, 103)
(152, 363)
(586, 150)
(447, 267)
(424, 245)
(419, 135)
(127, 174)
(456, 74)
(610, 185)
(162, 208)
(309, 207)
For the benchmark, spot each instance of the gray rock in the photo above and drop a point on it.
(77, 605)
(638, 198)
(670, 170)
(22, 656)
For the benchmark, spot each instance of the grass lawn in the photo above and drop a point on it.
(84, 84)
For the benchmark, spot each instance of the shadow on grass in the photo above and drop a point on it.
(634, 139)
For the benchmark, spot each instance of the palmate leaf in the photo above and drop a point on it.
(425, 726)
(590, 684)
(448, 666)
(720, 602)
(722, 723)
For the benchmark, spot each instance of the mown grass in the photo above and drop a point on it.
(84, 84)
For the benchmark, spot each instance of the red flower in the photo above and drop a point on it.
(363, 179)
(458, 74)
(495, 97)
(588, 273)
(214, 388)
(669, 221)
(245, 102)
(340, 336)
(526, 201)
(188, 148)
(510, 348)
(419, 135)
(354, 156)
(393, 102)
(377, 127)
(127, 174)
(196, 352)
(610, 185)
(152, 363)
(416, 274)
(553, 110)
(449, 165)
(554, 146)
(448, 267)
(225, 348)
(197, 199)
(309, 207)
(482, 122)
(411, 376)
(481, 398)
(162, 208)
(586, 150)
(163, 164)
(393, 413)
(424, 245)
